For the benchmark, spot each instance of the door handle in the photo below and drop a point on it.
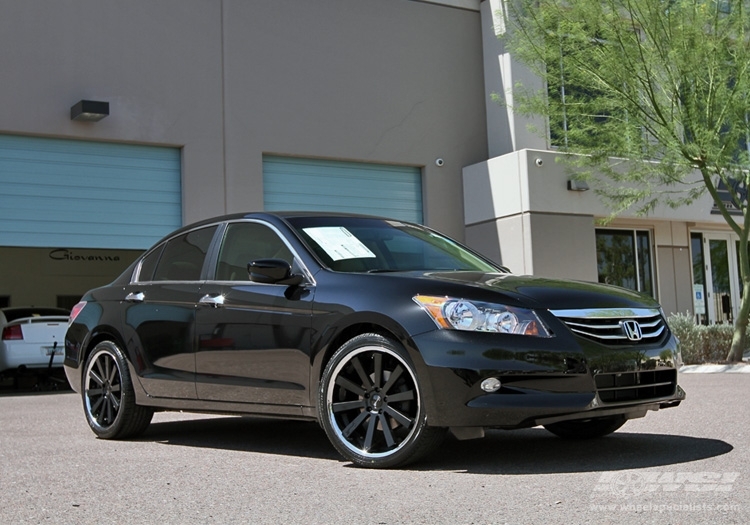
(135, 297)
(212, 300)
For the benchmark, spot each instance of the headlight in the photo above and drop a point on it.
(474, 316)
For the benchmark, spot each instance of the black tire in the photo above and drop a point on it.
(586, 428)
(108, 396)
(370, 405)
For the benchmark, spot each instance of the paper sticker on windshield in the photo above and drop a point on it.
(339, 243)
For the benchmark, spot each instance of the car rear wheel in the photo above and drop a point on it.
(108, 396)
(586, 428)
(370, 405)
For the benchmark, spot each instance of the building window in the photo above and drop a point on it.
(580, 111)
(700, 291)
(566, 128)
(624, 259)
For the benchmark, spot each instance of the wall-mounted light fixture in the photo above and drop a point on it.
(577, 185)
(89, 111)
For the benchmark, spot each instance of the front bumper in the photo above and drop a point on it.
(543, 380)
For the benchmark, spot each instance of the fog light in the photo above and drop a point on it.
(491, 384)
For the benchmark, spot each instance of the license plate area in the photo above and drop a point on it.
(52, 350)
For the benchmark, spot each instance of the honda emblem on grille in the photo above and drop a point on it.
(632, 330)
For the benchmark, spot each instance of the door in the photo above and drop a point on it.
(328, 185)
(84, 194)
(161, 314)
(721, 286)
(253, 340)
(162, 317)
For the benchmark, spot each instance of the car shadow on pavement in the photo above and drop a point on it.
(34, 382)
(248, 434)
(527, 451)
(536, 451)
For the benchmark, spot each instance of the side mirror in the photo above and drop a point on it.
(272, 271)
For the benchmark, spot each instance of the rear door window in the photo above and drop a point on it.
(183, 256)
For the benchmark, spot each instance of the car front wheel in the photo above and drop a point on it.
(586, 428)
(108, 396)
(370, 405)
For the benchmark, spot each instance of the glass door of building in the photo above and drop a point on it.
(716, 290)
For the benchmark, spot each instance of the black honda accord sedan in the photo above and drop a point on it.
(387, 333)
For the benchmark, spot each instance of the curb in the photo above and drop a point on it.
(734, 368)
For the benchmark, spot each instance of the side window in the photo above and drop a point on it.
(148, 265)
(182, 257)
(244, 242)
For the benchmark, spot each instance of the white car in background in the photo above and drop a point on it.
(32, 338)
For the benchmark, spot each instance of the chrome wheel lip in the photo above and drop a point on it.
(107, 386)
(330, 388)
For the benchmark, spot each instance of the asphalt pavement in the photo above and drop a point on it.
(685, 465)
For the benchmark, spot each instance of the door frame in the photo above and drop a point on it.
(734, 281)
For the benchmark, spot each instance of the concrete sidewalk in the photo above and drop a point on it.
(733, 368)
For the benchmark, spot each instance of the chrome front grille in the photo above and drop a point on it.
(616, 326)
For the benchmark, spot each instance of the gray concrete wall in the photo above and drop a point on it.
(227, 81)
(388, 81)
(676, 293)
(503, 241)
(549, 245)
(506, 130)
(519, 212)
(563, 246)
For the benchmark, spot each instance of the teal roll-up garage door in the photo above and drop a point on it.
(321, 185)
(80, 194)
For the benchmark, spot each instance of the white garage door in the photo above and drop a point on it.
(79, 194)
(321, 185)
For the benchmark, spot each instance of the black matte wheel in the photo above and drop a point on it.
(586, 428)
(370, 405)
(108, 397)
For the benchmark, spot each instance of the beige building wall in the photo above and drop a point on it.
(557, 239)
(677, 270)
(227, 81)
(390, 81)
(520, 212)
(385, 81)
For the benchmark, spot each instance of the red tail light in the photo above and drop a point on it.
(12, 333)
(75, 311)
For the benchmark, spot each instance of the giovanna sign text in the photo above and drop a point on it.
(65, 254)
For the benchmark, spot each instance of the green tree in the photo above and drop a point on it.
(650, 98)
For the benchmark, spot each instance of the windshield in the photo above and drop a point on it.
(352, 244)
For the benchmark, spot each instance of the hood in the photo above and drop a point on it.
(551, 294)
